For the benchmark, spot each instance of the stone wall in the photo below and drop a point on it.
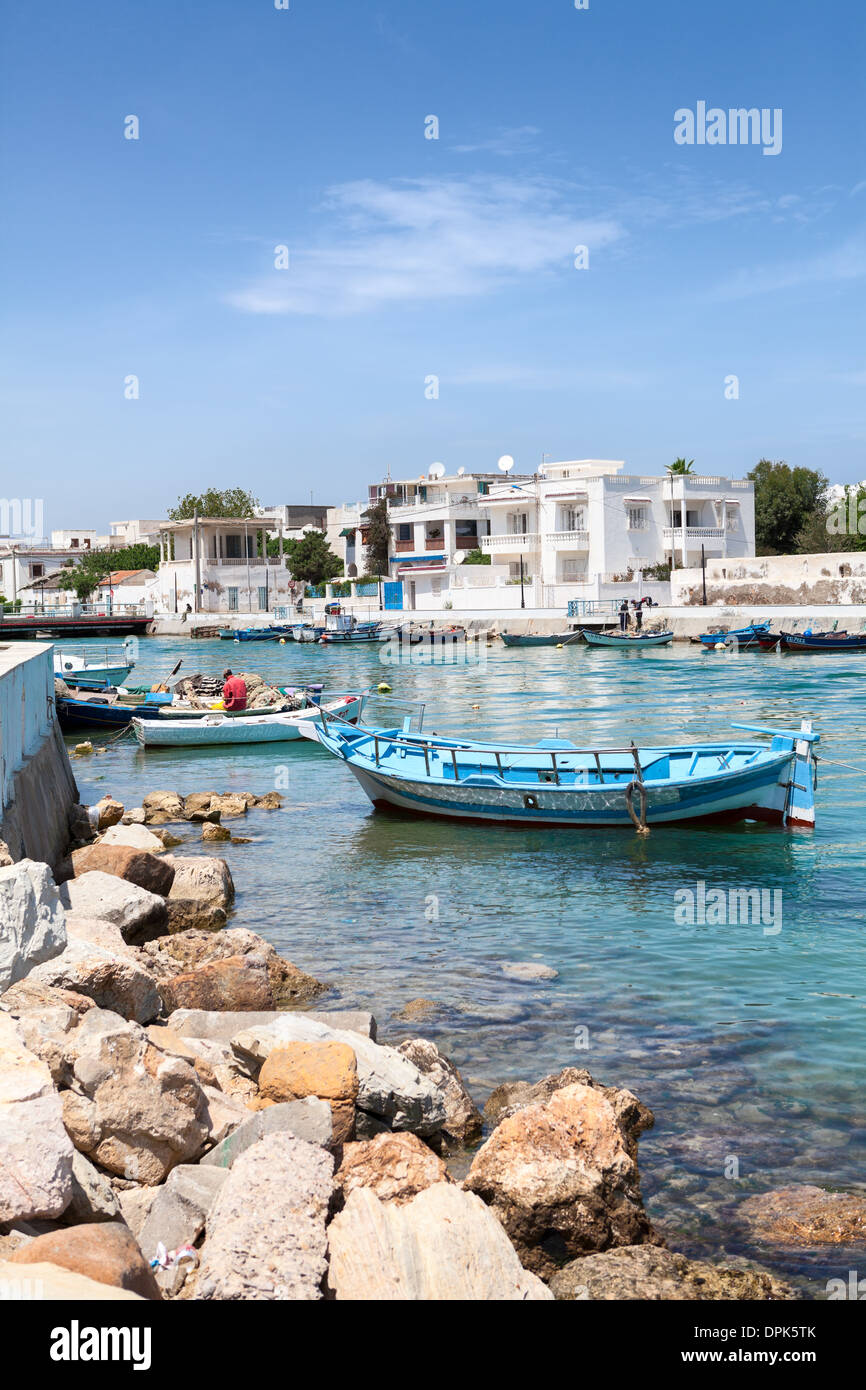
(836, 578)
(37, 787)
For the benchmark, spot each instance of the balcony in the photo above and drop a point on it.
(238, 560)
(434, 543)
(466, 542)
(519, 543)
(674, 534)
(568, 540)
(401, 547)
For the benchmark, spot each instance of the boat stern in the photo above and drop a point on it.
(791, 801)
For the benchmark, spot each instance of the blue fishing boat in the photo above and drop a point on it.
(535, 639)
(252, 634)
(556, 782)
(742, 637)
(822, 641)
(627, 641)
(109, 707)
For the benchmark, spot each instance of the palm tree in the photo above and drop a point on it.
(681, 466)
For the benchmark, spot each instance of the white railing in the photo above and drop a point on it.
(237, 561)
(694, 533)
(522, 540)
(578, 539)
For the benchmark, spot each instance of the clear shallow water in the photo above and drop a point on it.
(747, 1045)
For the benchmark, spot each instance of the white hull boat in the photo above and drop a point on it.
(220, 728)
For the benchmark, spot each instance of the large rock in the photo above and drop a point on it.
(215, 1062)
(647, 1272)
(98, 964)
(35, 1151)
(390, 1087)
(108, 1253)
(324, 1069)
(442, 1245)
(133, 836)
(396, 1167)
(50, 1283)
(197, 807)
(178, 1214)
(140, 915)
(106, 813)
(93, 1197)
(266, 1236)
(202, 878)
(185, 914)
(562, 1177)
(136, 1111)
(31, 919)
(805, 1215)
(463, 1121)
(239, 983)
(137, 866)
(46, 1016)
(309, 1120)
(161, 807)
(634, 1117)
(229, 805)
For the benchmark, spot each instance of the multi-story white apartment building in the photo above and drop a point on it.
(584, 524)
(220, 565)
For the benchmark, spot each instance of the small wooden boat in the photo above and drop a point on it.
(361, 632)
(251, 634)
(556, 782)
(742, 637)
(534, 639)
(218, 727)
(813, 641)
(626, 641)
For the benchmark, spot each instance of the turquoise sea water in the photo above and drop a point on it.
(748, 1044)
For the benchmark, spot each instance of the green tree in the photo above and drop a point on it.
(378, 537)
(476, 557)
(682, 466)
(785, 500)
(312, 559)
(230, 502)
(835, 526)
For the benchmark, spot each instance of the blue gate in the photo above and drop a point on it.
(393, 593)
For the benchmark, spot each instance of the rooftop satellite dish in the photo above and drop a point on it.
(460, 471)
(506, 463)
(437, 470)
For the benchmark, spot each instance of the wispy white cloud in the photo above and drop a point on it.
(507, 143)
(840, 264)
(429, 239)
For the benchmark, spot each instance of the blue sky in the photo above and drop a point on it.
(412, 257)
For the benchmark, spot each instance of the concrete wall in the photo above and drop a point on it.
(837, 578)
(36, 783)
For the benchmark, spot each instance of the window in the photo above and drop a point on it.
(573, 569)
(404, 531)
(573, 519)
(73, 544)
(38, 572)
(732, 520)
(637, 519)
(436, 587)
(263, 598)
(233, 548)
(517, 524)
(233, 600)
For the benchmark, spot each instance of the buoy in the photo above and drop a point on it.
(282, 641)
(559, 646)
(383, 688)
(476, 706)
(720, 646)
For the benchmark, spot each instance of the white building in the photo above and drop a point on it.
(585, 525)
(136, 532)
(122, 588)
(25, 570)
(78, 538)
(221, 565)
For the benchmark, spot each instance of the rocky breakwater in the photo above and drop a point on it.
(176, 1124)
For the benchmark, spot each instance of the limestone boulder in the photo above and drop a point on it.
(106, 1252)
(634, 1117)
(463, 1120)
(443, 1245)
(184, 951)
(32, 927)
(266, 1236)
(162, 807)
(201, 878)
(137, 866)
(139, 914)
(238, 983)
(133, 836)
(93, 1197)
(35, 1150)
(133, 816)
(324, 1069)
(177, 1216)
(50, 1283)
(185, 914)
(390, 1087)
(309, 1120)
(229, 805)
(649, 1273)
(97, 963)
(106, 813)
(562, 1178)
(135, 1111)
(211, 832)
(46, 1016)
(221, 1027)
(396, 1167)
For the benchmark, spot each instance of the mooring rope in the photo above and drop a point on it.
(640, 825)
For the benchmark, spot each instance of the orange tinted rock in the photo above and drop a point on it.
(137, 866)
(236, 983)
(106, 1251)
(396, 1167)
(324, 1069)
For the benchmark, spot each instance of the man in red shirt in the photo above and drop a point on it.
(234, 692)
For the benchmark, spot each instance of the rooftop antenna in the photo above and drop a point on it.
(437, 470)
(460, 471)
(506, 463)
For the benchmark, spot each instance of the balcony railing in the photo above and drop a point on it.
(401, 547)
(237, 560)
(523, 540)
(694, 533)
(466, 542)
(568, 540)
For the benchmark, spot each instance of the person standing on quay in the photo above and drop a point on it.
(623, 615)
